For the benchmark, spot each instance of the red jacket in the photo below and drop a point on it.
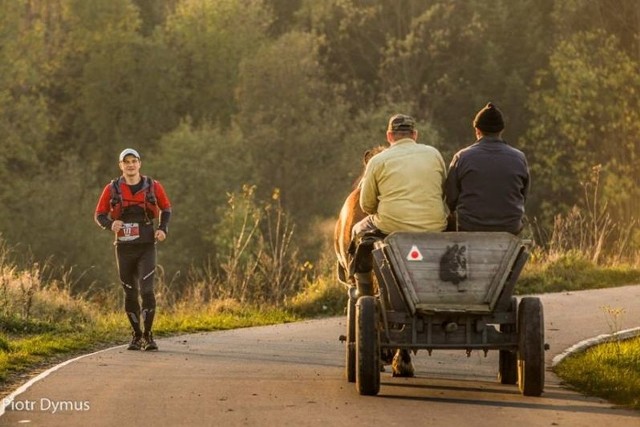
(134, 207)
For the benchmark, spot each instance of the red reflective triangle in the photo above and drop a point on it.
(414, 254)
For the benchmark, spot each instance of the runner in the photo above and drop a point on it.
(127, 207)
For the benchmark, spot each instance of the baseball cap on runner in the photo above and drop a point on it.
(401, 122)
(129, 152)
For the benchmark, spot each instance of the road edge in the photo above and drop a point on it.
(584, 345)
(6, 401)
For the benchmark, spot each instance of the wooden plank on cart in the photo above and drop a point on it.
(452, 272)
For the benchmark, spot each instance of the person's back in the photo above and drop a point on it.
(403, 188)
(488, 182)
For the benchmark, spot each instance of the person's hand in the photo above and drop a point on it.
(116, 225)
(160, 235)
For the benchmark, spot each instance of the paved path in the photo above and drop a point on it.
(293, 375)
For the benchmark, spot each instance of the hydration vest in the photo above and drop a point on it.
(150, 201)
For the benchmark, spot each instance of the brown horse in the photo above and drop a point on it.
(351, 214)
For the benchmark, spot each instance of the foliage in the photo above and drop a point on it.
(288, 94)
(322, 297)
(196, 192)
(587, 116)
(294, 141)
(29, 302)
(219, 315)
(209, 40)
(447, 58)
(25, 121)
(590, 230)
(257, 259)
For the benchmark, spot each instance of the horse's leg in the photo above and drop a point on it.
(402, 365)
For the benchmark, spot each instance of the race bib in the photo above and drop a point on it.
(129, 231)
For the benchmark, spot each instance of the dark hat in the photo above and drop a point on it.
(129, 152)
(401, 123)
(489, 119)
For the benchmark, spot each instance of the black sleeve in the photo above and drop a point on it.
(165, 216)
(104, 221)
(527, 181)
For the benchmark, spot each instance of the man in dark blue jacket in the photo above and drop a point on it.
(488, 182)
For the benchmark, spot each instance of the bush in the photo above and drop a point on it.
(324, 297)
(29, 304)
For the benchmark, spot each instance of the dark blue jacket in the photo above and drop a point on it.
(487, 186)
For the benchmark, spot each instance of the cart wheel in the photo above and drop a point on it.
(367, 347)
(350, 365)
(508, 360)
(530, 347)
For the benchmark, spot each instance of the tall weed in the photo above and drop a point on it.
(257, 259)
(589, 231)
(28, 302)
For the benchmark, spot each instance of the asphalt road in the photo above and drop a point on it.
(293, 375)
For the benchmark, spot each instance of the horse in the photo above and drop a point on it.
(351, 214)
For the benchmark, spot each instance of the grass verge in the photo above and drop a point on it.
(610, 371)
(24, 352)
(572, 272)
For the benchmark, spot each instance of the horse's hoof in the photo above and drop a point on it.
(404, 373)
(402, 365)
(401, 375)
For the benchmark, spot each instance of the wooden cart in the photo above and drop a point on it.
(447, 291)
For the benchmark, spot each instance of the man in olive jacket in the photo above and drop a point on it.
(402, 187)
(488, 182)
(402, 190)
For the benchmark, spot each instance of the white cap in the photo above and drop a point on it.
(129, 151)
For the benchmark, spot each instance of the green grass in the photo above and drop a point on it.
(23, 352)
(572, 272)
(217, 315)
(33, 344)
(610, 371)
(324, 297)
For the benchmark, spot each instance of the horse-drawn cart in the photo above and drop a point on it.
(447, 291)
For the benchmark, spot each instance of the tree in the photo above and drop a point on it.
(293, 123)
(25, 119)
(457, 56)
(620, 18)
(52, 219)
(209, 40)
(587, 115)
(199, 167)
(114, 88)
(352, 43)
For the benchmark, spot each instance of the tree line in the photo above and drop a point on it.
(287, 94)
